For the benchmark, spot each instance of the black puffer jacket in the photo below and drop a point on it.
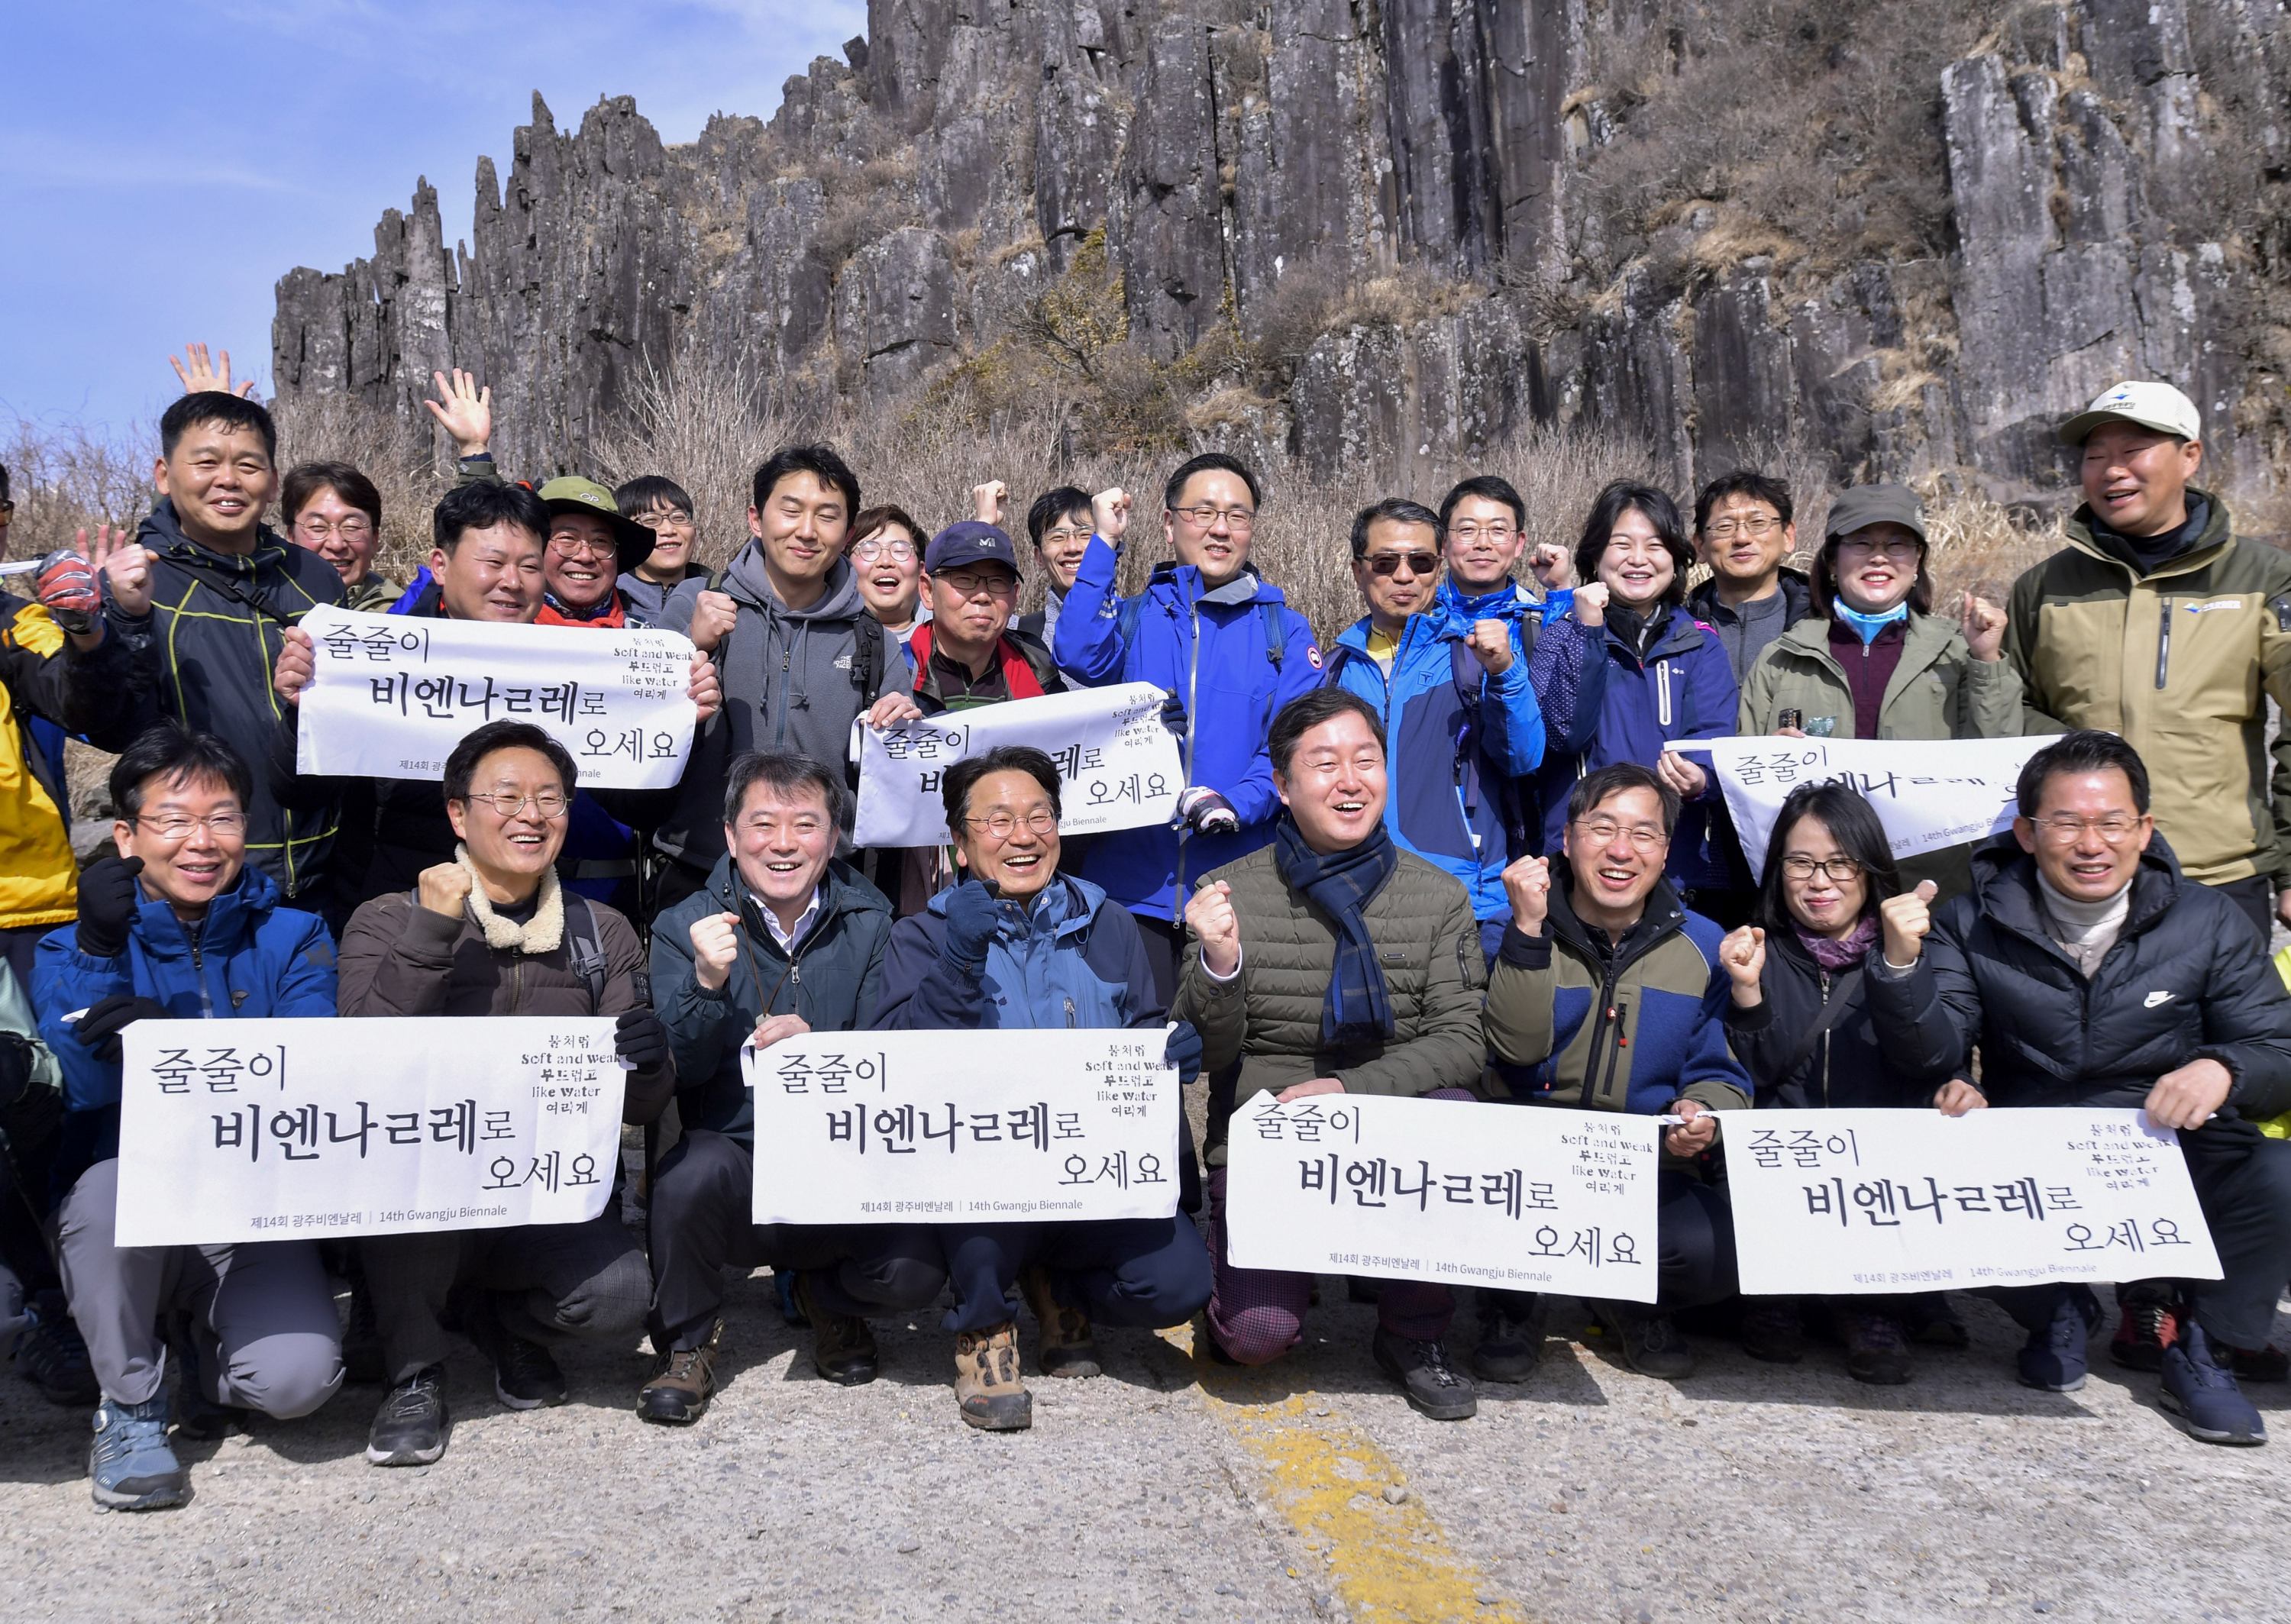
(2184, 982)
(1812, 1045)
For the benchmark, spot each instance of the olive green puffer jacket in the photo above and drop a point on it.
(1268, 1016)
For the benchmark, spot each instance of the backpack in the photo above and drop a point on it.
(866, 636)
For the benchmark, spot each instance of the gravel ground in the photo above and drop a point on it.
(1167, 1490)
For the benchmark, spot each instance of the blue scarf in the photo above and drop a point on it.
(1340, 884)
(1869, 625)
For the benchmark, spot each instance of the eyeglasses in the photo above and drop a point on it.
(175, 831)
(1065, 535)
(997, 585)
(657, 520)
(1645, 837)
(1840, 871)
(898, 550)
(1756, 529)
(1389, 563)
(1236, 519)
(564, 544)
(550, 804)
(1002, 825)
(1466, 533)
(1896, 550)
(2069, 831)
(352, 530)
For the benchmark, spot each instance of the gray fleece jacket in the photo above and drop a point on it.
(790, 682)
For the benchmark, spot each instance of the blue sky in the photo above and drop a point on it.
(161, 167)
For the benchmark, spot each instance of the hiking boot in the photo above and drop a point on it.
(986, 1383)
(1651, 1343)
(1068, 1347)
(129, 1467)
(1772, 1328)
(2261, 1365)
(1928, 1320)
(51, 1355)
(362, 1362)
(1511, 1335)
(2202, 1395)
(683, 1381)
(842, 1347)
(1875, 1350)
(410, 1427)
(1436, 1388)
(2145, 1328)
(2053, 1359)
(524, 1376)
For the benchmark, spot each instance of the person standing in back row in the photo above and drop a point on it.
(2156, 623)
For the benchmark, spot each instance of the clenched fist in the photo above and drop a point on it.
(1982, 624)
(1109, 512)
(715, 942)
(1489, 641)
(1209, 916)
(1743, 953)
(712, 615)
(987, 501)
(1528, 883)
(1591, 604)
(445, 888)
(1552, 565)
(1906, 917)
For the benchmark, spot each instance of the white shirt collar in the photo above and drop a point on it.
(787, 939)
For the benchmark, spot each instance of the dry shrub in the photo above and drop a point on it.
(70, 478)
(1982, 545)
(707, 429)
(392, 452)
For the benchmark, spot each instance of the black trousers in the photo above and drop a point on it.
(1694, 1246)
(700, 1204)
(1148, 1273)
(2243, 1183)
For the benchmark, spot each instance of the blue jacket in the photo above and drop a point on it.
(1214, 652)
(1074, 958)
(1455, 737)
(1683, 688)
(834, 981)
(251, 957)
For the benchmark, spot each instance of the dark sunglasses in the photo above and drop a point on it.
(1389, 563)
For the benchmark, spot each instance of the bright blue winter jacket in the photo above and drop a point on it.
(1214, 652)
(1685, 689)
(1455, 737)
(250, 958)
(1074, 957)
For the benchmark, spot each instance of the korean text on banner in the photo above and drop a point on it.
(290, 1130)
(1522, 1197)
(1838, 1202)
(391, 694)
(982, 1127)
(1929, 793)
(1118, 766)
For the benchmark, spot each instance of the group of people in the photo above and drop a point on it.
(1453, 854)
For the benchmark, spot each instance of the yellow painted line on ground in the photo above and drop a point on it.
(1327, 1479)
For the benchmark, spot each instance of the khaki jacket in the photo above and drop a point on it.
(2182, 663)
(1938, 691)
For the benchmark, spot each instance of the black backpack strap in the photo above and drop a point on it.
(1276, 634)
(584, 948)
(867, 656)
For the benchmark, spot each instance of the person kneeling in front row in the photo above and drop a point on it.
(1018, 945)
(1609, 995)
(784, 938)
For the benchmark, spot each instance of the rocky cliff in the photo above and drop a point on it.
(1911, 233)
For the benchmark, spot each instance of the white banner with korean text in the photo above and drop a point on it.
(1526, 1198)
(392, 694)
(973, 1127)
(1118, 765)
(296, 1129)
(1929, 793)
(1841, 1202)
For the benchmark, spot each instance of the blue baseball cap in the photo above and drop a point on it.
(971, 542)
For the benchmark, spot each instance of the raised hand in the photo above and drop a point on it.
(1906, 919)
(1489, 641)
(1209, 916)
(199, 376)
(1109, 514)
(715, 943)
(445, 888)
(1527, 882)
(1982, 623)
(712, 615)
(1743, 953)
(125, 563)
(464, 411)
(1552, 565)
(1591, 604)
(988, 500)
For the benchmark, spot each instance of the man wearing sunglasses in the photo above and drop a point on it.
(492, 932)
(1458, 709)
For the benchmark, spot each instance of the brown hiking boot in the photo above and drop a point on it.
(683, 1381)
(1068, 1348)
(986, 1383)
(842, 1347)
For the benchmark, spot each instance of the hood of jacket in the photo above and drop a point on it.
(2005, 888)
(1797, 597)
(231, 922)
(2218, 531)
(750, 586)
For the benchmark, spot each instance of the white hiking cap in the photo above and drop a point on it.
(2152, 406)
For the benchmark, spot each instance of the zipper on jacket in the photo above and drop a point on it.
(199, 972)
(1192, 732)
(1070, 1011)
(1825, 1005)
(1662, 693)
(1614, 1012)
(2163, 647)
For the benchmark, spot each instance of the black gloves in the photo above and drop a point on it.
(971, 914)
(639, 1039)
(98, 1031)
(1173, 715)
(1183, 1051)
(107, 900)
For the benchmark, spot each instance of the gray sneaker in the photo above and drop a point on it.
(410, 1427)
(131, 1467)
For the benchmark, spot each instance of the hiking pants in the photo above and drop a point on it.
(259, 1317)
(701, 1200)
(1145, 1273)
